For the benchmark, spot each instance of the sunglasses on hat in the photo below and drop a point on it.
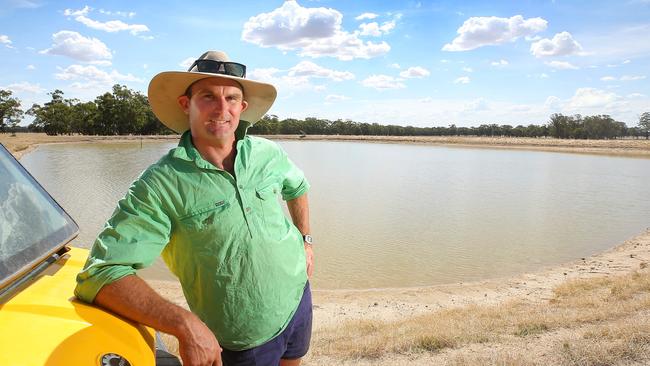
(220, 67)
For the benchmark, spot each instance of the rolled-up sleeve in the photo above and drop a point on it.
(294, 183)
(132, 238)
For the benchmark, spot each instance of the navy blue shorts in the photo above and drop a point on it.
(291, 344)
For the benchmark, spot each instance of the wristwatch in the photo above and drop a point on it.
(307, 239)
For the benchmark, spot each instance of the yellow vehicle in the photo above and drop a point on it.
(41, 322)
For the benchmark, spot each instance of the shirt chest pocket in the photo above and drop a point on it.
(206, 218)
(267, 197)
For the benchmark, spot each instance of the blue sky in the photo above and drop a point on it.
(421, 63)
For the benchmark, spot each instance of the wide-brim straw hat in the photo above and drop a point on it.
(166, 87)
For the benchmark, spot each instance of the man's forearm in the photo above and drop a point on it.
(132, 298)
(299, 210)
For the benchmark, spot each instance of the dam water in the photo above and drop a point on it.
(399, 215)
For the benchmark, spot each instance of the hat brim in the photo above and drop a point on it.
(166, 87)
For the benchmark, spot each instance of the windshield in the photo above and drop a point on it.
(32, 224)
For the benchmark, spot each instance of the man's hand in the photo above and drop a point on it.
(197, 345)
(309, 256)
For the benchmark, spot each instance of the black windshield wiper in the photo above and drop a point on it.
(7, 292)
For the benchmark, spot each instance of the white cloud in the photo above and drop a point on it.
(636, 95)
(376, 30)
(366, 16)
(100, 63)
(395, 66)
(562, 44)
(78, 47)
(30, 67)
(314, 32)
(590, 98)
(87, 77)
(543, 76)
(335, 98)
(263, 74)
(383, 82)
(310, 69)
(415, 72)
(632, 77)
(623, 78)
(187, 62)
(462, 80)
(553, 103)
(627, 61)
(500, 63)
(483, 31)
(283, 82)
(109, 26)
(4, 39)
(444, 61)
(291, 25)
(468, 69)
(562, 65)
(26, 87)
(113, 26)
(125, 14)
(75, 13)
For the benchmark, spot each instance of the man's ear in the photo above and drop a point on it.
(244, 105)
(184, 103)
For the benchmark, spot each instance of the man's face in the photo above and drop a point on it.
(213, 109)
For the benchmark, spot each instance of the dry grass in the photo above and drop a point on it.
(596, 313)
(619, 343)
(498, 358)
(22, 143)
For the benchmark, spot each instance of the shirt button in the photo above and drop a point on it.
(240, 186)
(248, 209)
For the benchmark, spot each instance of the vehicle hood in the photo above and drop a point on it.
(44, 324)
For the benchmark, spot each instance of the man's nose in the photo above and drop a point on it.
(220, 107)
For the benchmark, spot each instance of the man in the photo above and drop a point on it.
(210, 208)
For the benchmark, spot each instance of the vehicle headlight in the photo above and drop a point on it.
(113, 359)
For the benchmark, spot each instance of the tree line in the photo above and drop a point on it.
(120, 112)
(559, 126)
(127, 112)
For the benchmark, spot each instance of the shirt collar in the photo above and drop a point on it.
(187, 151)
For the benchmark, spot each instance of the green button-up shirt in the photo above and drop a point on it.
(239, 259)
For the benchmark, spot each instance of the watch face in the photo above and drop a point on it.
(307, 239)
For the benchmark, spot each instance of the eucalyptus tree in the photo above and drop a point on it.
(644, 124)
(10, 112)
(54, 117)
